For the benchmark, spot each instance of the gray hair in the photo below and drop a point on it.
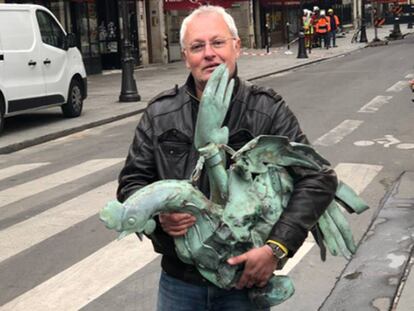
(208, 9)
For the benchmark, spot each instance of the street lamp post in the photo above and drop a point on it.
(363, 37)
(129, 92)
(410, 20)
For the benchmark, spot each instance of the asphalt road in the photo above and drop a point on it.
(54, 251)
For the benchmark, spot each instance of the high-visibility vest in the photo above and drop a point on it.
(323, 25)
(307, 25)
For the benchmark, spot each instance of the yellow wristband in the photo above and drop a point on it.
(282, 247)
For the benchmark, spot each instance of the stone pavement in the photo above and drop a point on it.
(102, 107)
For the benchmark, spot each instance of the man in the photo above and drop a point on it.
(334, 23)
(163, 149)
(307, 29)
(323, 28)
(314, 21)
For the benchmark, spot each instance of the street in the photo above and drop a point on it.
(56, 255)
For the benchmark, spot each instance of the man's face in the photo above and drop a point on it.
(209, 43)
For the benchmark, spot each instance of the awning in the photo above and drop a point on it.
(279, 2)
(170, 5)
(270, 3)
(389, 1)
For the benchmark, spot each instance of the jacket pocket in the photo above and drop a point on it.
(173, 152)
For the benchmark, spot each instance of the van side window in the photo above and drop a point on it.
(50, 31)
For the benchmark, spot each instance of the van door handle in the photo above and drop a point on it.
(32, 63)
(47, 61)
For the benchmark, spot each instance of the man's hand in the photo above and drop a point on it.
(176, 224)
(259, 264)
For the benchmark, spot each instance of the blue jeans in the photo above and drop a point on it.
(176, 295)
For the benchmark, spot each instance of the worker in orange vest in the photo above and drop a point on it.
(334, 20)
(314, 21)
(323, 27)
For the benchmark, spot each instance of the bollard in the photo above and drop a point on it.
(410, 21)
(287, 35)
(396, 31)
(363, 37)
(302, 48)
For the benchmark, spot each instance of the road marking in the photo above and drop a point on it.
(376, 103)
(397, 87)
(338, 133)
(292, 262)
(30, 188)
(410, 76)
(405, 146)
(358, 176)
(16, 239)
(86, 280)
(18, 169)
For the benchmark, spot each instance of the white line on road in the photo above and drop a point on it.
(410, 76)
(338, 133)
(18, 169)
(83, 282)
(356, 175)
(30, 188)
(15, 239)
(375, 104)
(292, 262)
(397, 87)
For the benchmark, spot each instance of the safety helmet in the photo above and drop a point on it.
(322, 12)
(330, 11)
(315, 8)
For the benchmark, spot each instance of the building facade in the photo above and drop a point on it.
(154, 25)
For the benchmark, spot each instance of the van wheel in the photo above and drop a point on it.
(73, 107)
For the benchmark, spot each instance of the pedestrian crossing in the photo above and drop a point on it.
(18, 169)
(102, 270)
(30, 188)
(14, 240)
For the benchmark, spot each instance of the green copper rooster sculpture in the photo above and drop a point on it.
(246, 199)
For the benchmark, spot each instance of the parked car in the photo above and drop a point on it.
(40, 65)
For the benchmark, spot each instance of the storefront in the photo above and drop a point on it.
(278, 21)
(97, 28)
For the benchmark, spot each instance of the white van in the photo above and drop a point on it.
(40, 66)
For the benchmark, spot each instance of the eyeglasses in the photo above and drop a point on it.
(216, 44)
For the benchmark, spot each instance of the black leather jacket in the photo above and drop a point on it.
(162, 149)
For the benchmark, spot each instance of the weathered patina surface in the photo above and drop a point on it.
(246, 199)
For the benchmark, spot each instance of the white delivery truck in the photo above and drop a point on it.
(40, 66)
